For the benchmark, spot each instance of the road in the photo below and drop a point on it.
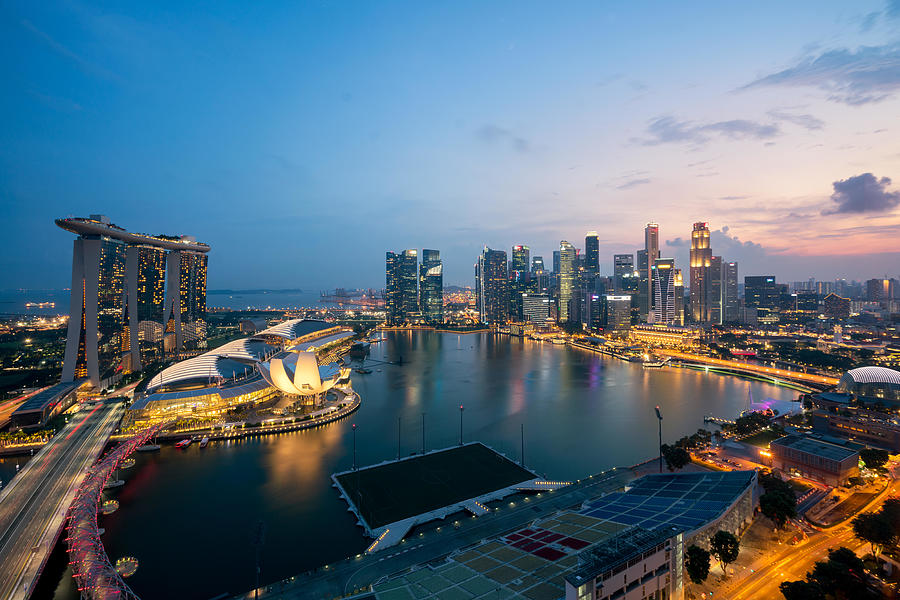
(34, 504)
(342, 578)
(794, 562)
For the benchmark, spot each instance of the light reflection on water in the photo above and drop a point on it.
(195, 510)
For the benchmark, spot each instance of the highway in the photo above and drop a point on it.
(33, 506)
(342, 578)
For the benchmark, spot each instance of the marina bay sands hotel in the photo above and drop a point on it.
(135, 299)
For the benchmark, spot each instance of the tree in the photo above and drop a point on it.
(801, 590)
(843, 575)
(874, 458)
(874, 528)
(725, 547)
(779, 506)
(675, 456)
(696, 561)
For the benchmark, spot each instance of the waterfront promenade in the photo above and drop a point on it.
(356, 573)
(33, 506)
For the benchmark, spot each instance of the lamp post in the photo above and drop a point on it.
(659, 417)
(354, 446)
(460, 423)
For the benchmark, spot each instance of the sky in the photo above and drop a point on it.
(302, 140)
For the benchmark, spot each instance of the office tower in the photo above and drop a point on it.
(491, 287)
(715, 290)
(730, 305)
(836, 307)
(536, 308)
(593, 310)
(880, 290)
(623, 266)
(643, 290)
(760, 291)
(431, 287)
(701, 257)
(566, 278)
(537, 264)
(679, 298)
(591, 254)
(540, 277)
(618, 312)
(401, 289)
(663, 275)
(519, 279)
(117, 279)
(651, 247)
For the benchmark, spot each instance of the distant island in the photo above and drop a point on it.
(259, 291)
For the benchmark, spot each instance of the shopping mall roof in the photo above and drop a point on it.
(224, 362)
(873, 375)
(830, 448)
(687, 501)
(294, 328)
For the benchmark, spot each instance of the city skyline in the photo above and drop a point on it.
(785, 149)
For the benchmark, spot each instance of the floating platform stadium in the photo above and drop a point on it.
(391, 498)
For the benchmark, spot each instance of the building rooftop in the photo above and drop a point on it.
(51, 395)
(686, 501)
(830, 448)
(616, 550)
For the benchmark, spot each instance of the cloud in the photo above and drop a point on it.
(808, 122)
(733, 198)
(870, 74)
(677, 242)
(862, 193)
(665, 130)
(493, 134)
(632, 183)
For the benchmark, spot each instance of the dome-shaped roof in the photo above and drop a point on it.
(872, 375)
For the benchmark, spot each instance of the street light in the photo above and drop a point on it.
(659, 417)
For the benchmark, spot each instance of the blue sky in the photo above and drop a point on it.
(302, 140)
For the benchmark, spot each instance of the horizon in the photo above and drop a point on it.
(272, 133)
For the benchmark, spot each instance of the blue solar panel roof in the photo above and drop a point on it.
(684, 500)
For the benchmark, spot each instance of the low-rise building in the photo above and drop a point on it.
(636, 564)
(824, 458)
(666, 335)
(869, 427)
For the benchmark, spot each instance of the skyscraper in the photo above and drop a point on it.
(566, 278)
(731, 307)
(618, 313)
(491, 287)
(117, 282)
(714, 296)
(401, 290)
(663, 275)
(537, 264)
(431, 287)
(760, 291)
(679, 298)
(643, 290)
(519, 279)
(623, 266)
(701, 257)
(591, 255)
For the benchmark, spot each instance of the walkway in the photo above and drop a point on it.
(33, 506)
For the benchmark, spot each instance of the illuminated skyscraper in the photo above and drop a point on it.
(760, 291)
(566, 278)
(623, 266)
(645, 263)
(146, 289)
(591, 254)
(401, 285)
(431, 287)
(679, 298)
(519, 279)
(663, 275)
(618, 313)
(731, 309)
(701, 257)
(492, 287)
(716, 290)
(117, 280)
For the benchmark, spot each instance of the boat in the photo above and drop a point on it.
(363, 371)
(654, 364)
(559, 341)
(183, 443)
(204, 441)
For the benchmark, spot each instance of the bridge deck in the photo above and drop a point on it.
(33, 506)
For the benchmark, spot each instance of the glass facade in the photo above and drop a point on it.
(431, 287)
(111, 303)
(192, 294)
(491, 287)
(701, 258)
(401, 285)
